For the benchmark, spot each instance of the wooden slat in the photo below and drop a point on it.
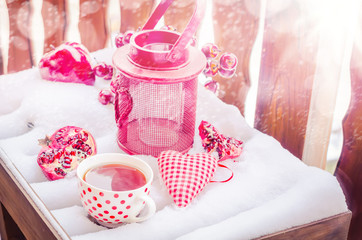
(1, 63)
(113, 21)
(134, 14)
(179, 14)
(92, 24)
(8, 228)
(72, 20)
(53, 13)
(36, 31)
(332, 228)
(4, 37)
(236, 32)
(334, 53)
(19, 47)
(349, 168)
(23, 209)
(286, 76)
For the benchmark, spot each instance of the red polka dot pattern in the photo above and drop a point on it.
(112, 208)
(185, 175)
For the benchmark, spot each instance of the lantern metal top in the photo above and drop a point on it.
(160, 55)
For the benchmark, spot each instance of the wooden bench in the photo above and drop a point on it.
(286, 102)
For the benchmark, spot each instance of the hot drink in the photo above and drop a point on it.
(114, 188)
(115, 177)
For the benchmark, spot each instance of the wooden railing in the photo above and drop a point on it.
(296, 97)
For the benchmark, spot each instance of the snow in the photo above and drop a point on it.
(271, 189)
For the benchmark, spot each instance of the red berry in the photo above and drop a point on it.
(109, 75)
(119, 40)
(127, 37)
(210, 50)
(227, 73)
(211, 68)
(228, 61)
(212, 85)
(105, 97)
(101, 69)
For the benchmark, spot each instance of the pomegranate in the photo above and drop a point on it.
(69, 62)
(212, 140)
(64, 150)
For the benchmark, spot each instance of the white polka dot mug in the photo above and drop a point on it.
(112, 207)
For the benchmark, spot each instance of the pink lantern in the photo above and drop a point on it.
(156, 92)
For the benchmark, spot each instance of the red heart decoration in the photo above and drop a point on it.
(185, 175)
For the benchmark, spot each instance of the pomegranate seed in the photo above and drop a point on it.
(59, 171)
(86, 148)
(85, 136)
(66, 165)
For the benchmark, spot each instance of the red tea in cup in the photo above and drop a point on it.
(115, 177)
(115, 187)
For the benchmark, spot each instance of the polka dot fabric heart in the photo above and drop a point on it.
(185, 176)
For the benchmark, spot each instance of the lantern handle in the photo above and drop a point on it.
(157, 14)
(181, 43)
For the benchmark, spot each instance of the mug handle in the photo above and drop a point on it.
(151, 209)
